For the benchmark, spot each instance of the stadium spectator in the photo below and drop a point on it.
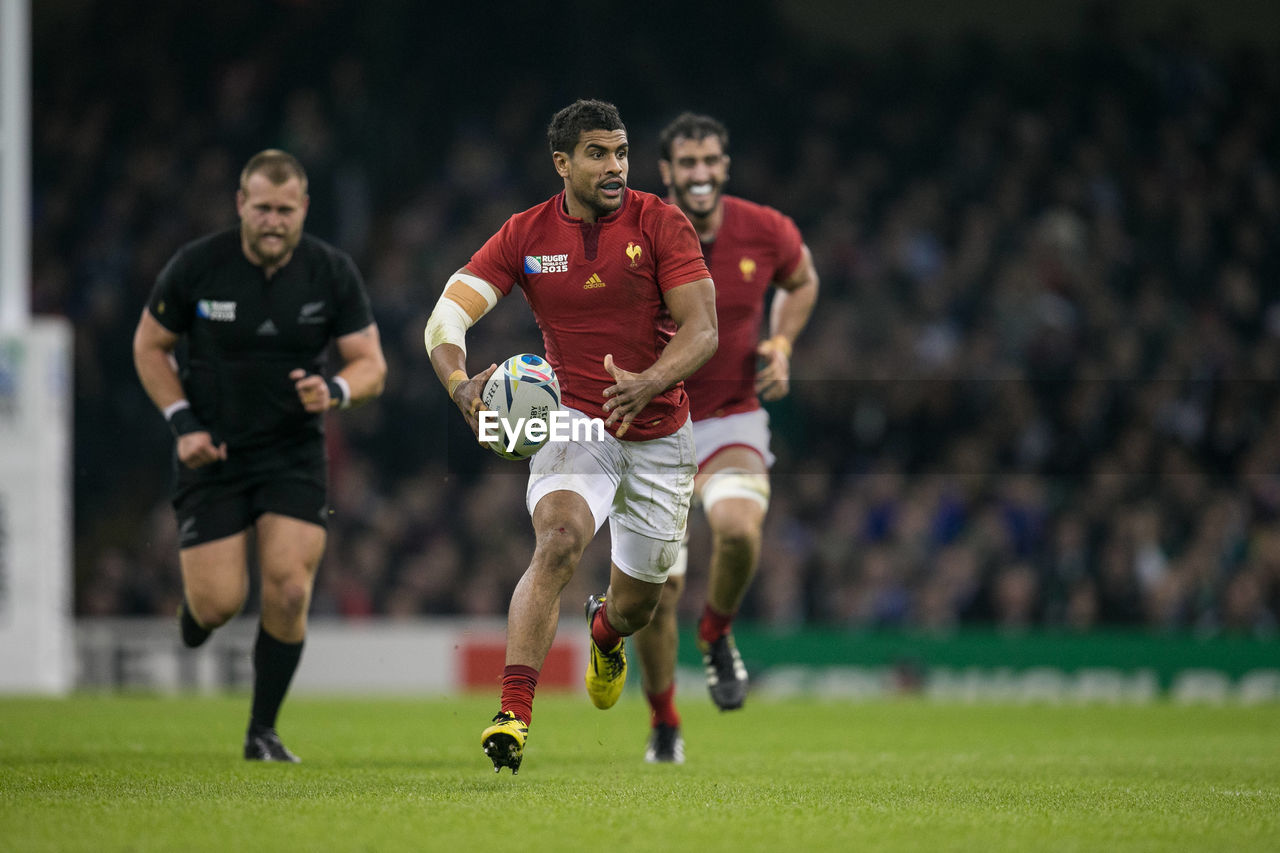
(643, 270)
(256, 309)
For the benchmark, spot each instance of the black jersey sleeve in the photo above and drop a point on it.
(353, 311)
(171, 295)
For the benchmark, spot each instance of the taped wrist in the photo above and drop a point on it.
(184, 421)
(339, 393)
(455, 379)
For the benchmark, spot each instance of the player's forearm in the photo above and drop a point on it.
(450, 364)
(159, 376)
(365, 378)
(791, 309)
(693, 308)
(690, 348)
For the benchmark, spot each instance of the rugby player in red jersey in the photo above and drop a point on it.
(749, 249)
(618, 285)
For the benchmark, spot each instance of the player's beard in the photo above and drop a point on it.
(699, 207)
(268, 256)
(593, 197)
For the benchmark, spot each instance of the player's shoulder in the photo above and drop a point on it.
(647, 207)
(552, 207)
(644, 197)
(316, 247)
(543, 215)
(210, 248)
(751, 210)
(643, 202)
(321, 256)
(202, 255)
(744, 217)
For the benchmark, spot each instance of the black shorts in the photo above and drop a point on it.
(225, 498)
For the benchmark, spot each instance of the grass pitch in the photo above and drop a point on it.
(155, 773)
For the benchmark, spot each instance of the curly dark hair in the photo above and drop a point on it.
(693, 126)
(584, 114)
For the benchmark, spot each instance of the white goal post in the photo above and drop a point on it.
(15, 164)
(36, 636)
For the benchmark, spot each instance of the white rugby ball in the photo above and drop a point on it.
(522, 392)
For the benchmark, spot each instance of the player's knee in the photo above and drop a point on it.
(289, 598)
(636, 612)
(560, 547)
(739, 534)
(214, 612)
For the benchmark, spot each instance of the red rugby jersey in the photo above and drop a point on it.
(755, 247)
(596, 288)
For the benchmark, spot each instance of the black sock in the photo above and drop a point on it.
(274, 663)
(193, 633)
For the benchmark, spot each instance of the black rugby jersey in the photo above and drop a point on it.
(244, 333)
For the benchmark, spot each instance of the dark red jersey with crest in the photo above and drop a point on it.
(596, 288)
(755, 247)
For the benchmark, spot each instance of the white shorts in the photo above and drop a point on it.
(711, 435)
(745, 429)
(642, 487)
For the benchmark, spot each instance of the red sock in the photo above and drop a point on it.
(602, 632)
(662, 707)
(518, 684)
(713, 625)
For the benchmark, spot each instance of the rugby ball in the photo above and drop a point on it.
(522, 393)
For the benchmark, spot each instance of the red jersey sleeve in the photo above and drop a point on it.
(790, 246)
(498, 260)
(679, 253)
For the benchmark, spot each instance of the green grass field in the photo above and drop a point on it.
(156, 773)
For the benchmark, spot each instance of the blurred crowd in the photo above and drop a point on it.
(1040, 388)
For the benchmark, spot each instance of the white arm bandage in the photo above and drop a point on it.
(465, 300)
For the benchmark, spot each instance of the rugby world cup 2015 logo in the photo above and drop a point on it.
(216, 310)
(535, 264)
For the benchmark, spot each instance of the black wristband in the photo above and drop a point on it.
(337, 399)
(184, 421)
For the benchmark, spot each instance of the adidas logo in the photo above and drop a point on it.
(268, 328)
(593, 282)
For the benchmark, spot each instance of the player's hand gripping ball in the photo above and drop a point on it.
(521, 396)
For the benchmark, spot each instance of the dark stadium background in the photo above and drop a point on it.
(1040, 389)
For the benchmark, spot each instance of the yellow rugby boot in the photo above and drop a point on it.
(606, 671)
(504, 741)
